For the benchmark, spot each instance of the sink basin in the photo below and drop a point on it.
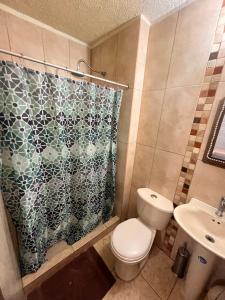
(201, 223)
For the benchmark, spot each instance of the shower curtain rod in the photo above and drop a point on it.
(73, 72)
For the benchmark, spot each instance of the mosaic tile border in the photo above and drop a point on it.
(211, 80)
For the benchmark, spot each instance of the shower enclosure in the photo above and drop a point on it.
(118, 69)
(59, 139)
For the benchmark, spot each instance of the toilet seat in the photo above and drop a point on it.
(131, 240)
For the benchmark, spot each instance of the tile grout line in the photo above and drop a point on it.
(172, 288)
(150, 285)
(163, 98)
(141, 274)
(160, 148)
(181, 86)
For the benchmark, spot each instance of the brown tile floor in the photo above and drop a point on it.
(155, 282)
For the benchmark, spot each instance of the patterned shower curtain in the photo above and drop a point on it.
(58, 149)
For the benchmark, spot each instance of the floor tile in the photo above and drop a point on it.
(157, 272)
(178, 291)
(137, 289)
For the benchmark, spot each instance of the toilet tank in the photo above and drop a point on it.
(153, 209)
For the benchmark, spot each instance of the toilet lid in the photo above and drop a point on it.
(131, 239)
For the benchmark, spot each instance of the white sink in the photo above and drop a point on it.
(201, 223)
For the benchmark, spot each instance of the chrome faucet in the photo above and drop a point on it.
(221, 208)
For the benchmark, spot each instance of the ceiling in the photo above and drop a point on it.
(88, 20)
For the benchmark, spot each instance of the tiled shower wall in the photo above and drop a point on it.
(24, 37)
(123, 57)
(179, 100)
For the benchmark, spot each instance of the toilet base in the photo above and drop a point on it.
(128, 271)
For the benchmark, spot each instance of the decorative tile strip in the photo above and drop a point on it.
(211, 80)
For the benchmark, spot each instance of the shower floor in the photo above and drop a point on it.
(86, 278)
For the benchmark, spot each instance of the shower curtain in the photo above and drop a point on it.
(58, 150)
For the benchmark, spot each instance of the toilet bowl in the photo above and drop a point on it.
(132, 239)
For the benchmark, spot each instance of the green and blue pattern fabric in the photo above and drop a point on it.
(58, 151)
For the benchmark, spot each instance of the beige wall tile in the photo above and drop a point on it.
(108, 59)
(103, 57)
(129, 116)
(194, 36)
(25, 38)
(165, 172)
(123, 55)
(56, 49)
(126, 71)
(4, 40)
(127, 53)
(95, 57)
(132, 209)
(96, 60)
(142, 165)
(125, 116)
(160, 44)
(177, 116)
(77, 52)
(151, 105)
(208, 183)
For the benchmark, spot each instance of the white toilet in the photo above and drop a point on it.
(132, 239)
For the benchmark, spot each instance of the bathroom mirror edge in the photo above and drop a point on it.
(215, 149)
